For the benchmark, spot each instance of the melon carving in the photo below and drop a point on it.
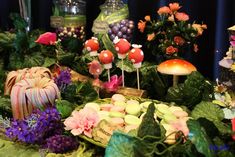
(29, 94)
(15, 76)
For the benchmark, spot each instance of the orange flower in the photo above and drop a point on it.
(141, 26)
(181, 16)
(195, 48)
(164, 10)
(199, 28)
(170, 50)
(174, 6)
(171, 18)
(179, 40)
(147, 18)
(150, 36)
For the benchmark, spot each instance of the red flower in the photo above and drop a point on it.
(141, 26)
(170, 50)
(179, 40)
(181, 16)
(47, 38)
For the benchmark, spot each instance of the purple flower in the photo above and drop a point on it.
(36, 127)
(63, 79)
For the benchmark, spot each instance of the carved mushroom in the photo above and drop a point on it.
(176, 67)
(136, 56)
(106, 57)
(92, 45)
(122, 46)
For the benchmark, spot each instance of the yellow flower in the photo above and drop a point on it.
(147, 18)
(150, 37)
(141, 26)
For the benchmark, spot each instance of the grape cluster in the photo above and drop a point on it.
(122, 29)
(76, 32)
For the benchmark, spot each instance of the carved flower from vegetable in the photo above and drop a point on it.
(82, 121)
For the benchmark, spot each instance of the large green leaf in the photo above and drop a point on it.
(49, 62)
(199, 138)
(211, 112)
(34, 59)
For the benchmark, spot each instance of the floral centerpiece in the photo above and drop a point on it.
(171, 33)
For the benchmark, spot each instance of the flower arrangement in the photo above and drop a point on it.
(171, 33)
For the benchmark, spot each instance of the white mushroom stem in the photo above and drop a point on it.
(175, 80)
(108, 75)
(138, 79)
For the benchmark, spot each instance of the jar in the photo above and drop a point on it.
(113, 20)
(74, 18)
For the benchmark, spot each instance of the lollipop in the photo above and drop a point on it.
(122, 47)
(92, 45)
(136, 56)
(106, 57)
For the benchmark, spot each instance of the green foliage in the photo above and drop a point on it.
(149, 126)
(214, 115)
(5, 107)
(199, 138)
(79, 93)
(195, 89)
(64, 107)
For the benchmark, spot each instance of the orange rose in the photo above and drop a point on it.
(199, 28)
(164, 10)
(141, 26)
(147, 18)
(170, 50)
(150, 36)
(179, 40)
(174, 6)
(181, 16)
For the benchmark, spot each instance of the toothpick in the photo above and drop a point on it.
(123, 79)
(109, 75)
(138, 79)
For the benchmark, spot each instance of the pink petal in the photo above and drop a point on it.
(70, 123)
(232, 37)
(88, 133)
(76, 132)
(232, 43)
(47, 38)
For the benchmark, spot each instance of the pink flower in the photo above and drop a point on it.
(232, 43)
(47, 38)
(181, 16)
(164, 10)
(82, 121)
(232, 37)
(112, 86)
(180, 125)
(95, 68)
(174, 6)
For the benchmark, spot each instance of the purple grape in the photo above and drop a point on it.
(124, 36)
(124, 29)
(123, 22)
(129, 31)
(119, 34)
(115, 29)
(118, 25)
(112, 36)
(131, 26)
(109, 31)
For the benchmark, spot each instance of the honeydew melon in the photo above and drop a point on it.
(93, 105)
(120, 103)
(133, 109)
(132, 120)
(115, 114)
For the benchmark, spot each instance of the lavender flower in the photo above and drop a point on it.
(37, 127)
(63, 79)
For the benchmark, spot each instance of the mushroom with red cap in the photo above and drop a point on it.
(136, 56)
(122, 46)
(92, 45)
(176, 67)
(106, 57)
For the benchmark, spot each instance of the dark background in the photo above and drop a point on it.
(217, 14)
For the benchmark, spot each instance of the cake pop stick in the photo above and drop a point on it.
(92, 45)
(122, 47)
(136, 56)
(106, 57)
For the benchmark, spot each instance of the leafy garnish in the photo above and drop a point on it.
(199, 138)
(149, 126)
(211, 112)
(195, 89)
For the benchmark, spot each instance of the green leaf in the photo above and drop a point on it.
(221, 148)
(66, 58)
(199, 138)
(149, 126)
(19, 23)
(64, 107)
(127, 65)
(49, 62)
(215, 115)
(34, 59)
(21, 42)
